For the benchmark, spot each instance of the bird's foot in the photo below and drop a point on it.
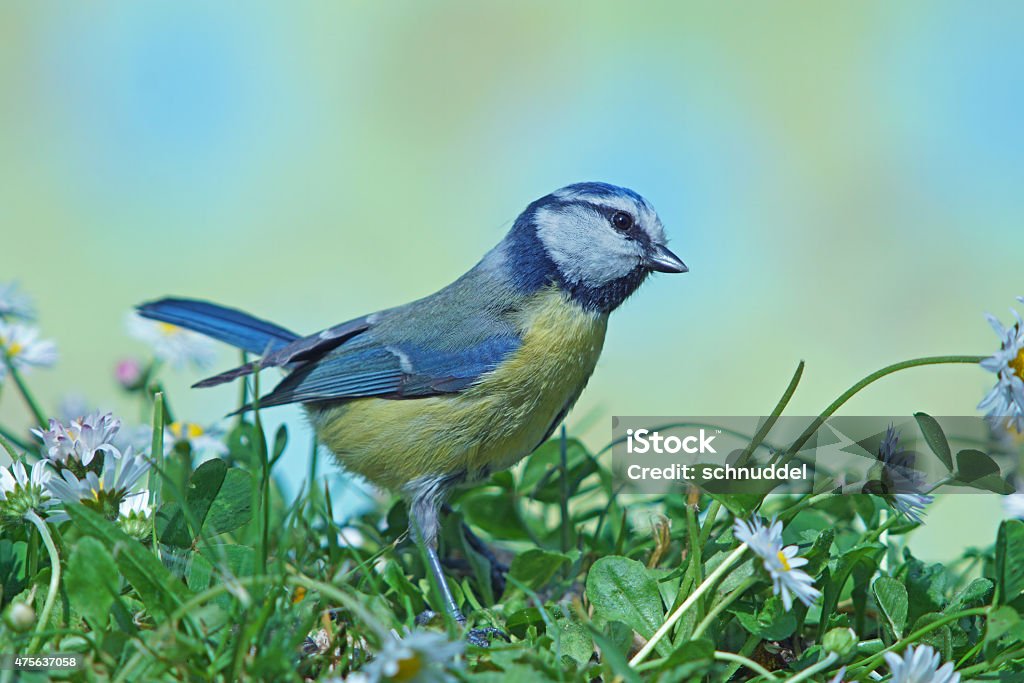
(482, 637)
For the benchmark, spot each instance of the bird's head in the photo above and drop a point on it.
(596, 241)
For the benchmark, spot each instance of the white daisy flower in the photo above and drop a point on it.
(15, 304)
(103, 492)
(781, 563)
(22, 491)
(920, 664)
(1005, 402)
(136, 516)
(172, 344)
(81, 440)
(24, 349)
(198, 439)
(902, 485)
(420, 657)
(137, 505)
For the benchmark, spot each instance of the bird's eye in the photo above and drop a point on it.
(622, 221)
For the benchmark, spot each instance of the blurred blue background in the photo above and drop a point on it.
(843, 179)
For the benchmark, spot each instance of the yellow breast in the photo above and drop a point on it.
(491, 425)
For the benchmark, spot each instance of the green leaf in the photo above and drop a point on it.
(979, 470)
(159, 590)
(12, 567)
(575, 641)
(232, 508)
(891, 596)
(521, 620)
(621, 589)
(999, 623)
(534, 569)
(867, 554)
(220, 500)
(770, 622)
(941, 638)
(926, 586)
(817, 555)
(172, 525)
(280, 443)
(1010, 560)
(493, 511)
(92, 581)
(974, 594)
(690, 651)
(396, 579)
(613, 659)
(935, 438)
(739, 504)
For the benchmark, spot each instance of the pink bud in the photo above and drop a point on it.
(128, 373)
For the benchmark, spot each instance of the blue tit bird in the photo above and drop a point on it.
(443, 391)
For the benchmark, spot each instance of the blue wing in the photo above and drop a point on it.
(366, 367)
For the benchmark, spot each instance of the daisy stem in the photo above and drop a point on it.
(51, 594)
(745, 661)
(870, 379)
(749, 646)
(8, 442)
(756, 441)
(718, 608)
(806, 501)
(33, 406)
(687, 604)
(874, 534)
(831, 659)
(773, 417)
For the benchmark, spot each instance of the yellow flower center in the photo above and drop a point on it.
(784, 560)
(408, 668)
(168, 329)
(1018, 363)
(14, 349)
(186, 430)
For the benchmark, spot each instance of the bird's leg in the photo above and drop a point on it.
(426, 497)
(434, 563)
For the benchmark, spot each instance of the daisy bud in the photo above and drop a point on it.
(842, 641)
(20, 617)
(128, 373)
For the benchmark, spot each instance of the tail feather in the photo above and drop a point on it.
(224, 324)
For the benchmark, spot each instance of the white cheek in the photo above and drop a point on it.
(586, 250)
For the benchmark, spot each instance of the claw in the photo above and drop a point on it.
(481, 637)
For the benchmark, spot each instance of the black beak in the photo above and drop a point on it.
(659, 258)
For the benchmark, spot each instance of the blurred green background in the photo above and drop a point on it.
(843, 179)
